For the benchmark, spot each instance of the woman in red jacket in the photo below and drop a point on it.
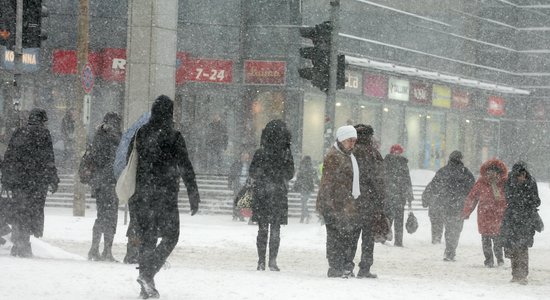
(488, 195)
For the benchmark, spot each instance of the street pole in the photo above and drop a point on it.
(18, 52)
(330, 105)
(79, 200)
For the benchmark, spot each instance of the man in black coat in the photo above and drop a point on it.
(371, 201)
(449, 189)
(216, 143)
(163, 159)
(28, 170)
(104, 145)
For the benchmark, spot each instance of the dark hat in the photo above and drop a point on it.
(456, 156)
(37, 115)
(111, 118)
(364, 133)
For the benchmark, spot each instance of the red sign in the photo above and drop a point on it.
(113, 64)
(375, 86)
(264, 72)
(461, 99)
(205, 70)
(495, 106)
(65, 61)
(421, 93)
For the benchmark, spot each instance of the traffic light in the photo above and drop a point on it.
(7, 23)
(319, 54)
(33, 34)
(341, 72)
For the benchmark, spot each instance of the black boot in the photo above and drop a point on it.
(365, 273)
(93, 254)
(132, 251)
(107, 254)
(261, 246)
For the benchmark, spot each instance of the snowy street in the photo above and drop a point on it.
(216, 258)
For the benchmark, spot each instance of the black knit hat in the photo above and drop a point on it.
(37, 115)
(364, 133)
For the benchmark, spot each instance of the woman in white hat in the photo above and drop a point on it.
(335, 202)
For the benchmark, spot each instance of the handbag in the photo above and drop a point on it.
(244, 199)
(126, 183)
(86, 167)
(412, 223)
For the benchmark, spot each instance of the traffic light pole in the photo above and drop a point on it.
(18, 52)
(330, 105)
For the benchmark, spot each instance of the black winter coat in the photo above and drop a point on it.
(103, 154)
(447, 191)
(305, 180)
(398, 181)
(517, 228)
(371, 181)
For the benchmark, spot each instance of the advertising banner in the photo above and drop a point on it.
(398, 89)
(353, 83)
(421, 93)
(375, 86)
(495, 106)
(264, 72)
(461, 99)
(441, 96)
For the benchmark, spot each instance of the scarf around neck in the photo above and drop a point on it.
(355, 190)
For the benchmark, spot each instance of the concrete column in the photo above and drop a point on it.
(150, 54)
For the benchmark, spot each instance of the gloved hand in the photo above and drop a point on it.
(194, 210)
(53, 187)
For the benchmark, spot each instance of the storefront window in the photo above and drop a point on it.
(414, 125)
(343, 115)
(435, 145)
(454, 135)
(368, 115)
(391, 127)
(313, 126)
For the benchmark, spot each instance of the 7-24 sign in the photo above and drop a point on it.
(208, 70)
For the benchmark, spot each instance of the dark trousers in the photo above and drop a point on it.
(305, 212)
(490, 245)
(340, 248)
(520, 263)
(107, 217)
(397, 216)
(273, 230)
(152, 225)
(437, 221)
(28, 218)
(453, 228)
(367, 246)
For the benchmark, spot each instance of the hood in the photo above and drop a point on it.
(275, 136)
(37, 116)
(494, 163)
(162, 112)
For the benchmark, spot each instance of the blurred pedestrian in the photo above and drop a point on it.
(216, 143)
(447, 191)
(338, 191)
(270, 170)
(238, 174)
(162, 161)
(520, 220)
(27, 171)
(398, 190)
(306, 178)
(104, 145)
(68, 136)
(488, 195)
(370, 203)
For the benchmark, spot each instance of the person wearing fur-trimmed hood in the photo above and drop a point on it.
(488, 195)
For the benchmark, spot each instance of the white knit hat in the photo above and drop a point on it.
(346, 132)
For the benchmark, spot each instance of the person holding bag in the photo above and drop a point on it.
(271, 168)
(520, 220)
(104, 145)
(338, 191)
(162, 160)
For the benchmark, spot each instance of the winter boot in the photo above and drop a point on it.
(365, 273)
(334, 273)
(261, 246)
(107, 254)
(93, 254)
(132, 251)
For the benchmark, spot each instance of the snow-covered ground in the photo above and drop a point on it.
(216, 259)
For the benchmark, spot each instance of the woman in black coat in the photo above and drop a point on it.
(270, 170)
(519, 223)
(104, 145)
(162, 161)
(27, 171)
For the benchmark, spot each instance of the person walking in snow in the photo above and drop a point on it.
(488, 195)
(27, 171)
(338, 191)
(370, 204)
(162, 160)
(448, 190)
(104, 145)
(306, 178)
(216, 143)
(398, 190)
(271, 168)
(521, 220)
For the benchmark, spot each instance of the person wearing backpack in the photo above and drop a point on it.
(104, 145)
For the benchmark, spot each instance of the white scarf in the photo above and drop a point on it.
(355, 190)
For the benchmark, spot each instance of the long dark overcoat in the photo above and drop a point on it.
(29, 165)
(517, 228)
(398, 181)
(371, 181)
(103, 152)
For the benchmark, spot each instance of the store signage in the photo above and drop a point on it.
(64, 62)
(421, 93)
(113, 65)
(461, 99)
(353, 83)
(495, 106)
(398, 89)
(30, 62)
(264, 72)
(441, 96)
(375, 86)
(206, 70)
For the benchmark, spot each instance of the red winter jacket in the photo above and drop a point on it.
(490, 210)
